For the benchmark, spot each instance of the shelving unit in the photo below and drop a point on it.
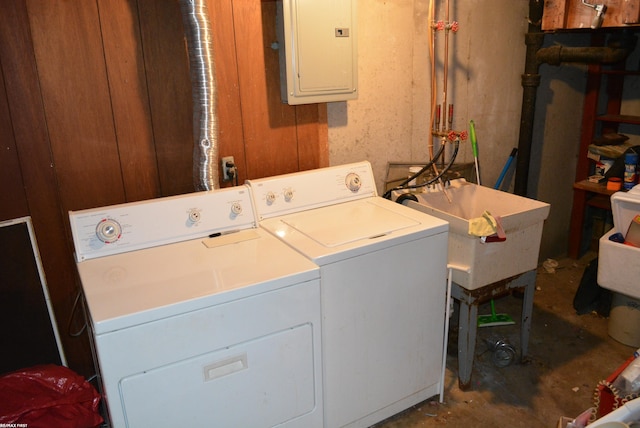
(605, 86)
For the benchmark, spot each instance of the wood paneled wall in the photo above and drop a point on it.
(96, 109)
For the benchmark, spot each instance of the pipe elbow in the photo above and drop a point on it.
(550, 55)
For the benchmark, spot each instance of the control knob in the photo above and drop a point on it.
(288, 194)
(270, 197)
(236, 208)
(353, 182)
(108, 230)
(194, 215)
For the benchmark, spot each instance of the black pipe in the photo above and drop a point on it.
(618, 50)
(555, 55)
(530, 82)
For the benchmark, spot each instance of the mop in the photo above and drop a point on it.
(493, 319)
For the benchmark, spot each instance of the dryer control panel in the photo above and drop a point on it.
(289, 193)
(114, 229)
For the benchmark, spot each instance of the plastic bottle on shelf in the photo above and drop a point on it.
(630, 165)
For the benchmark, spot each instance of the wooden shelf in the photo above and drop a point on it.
(597, 188)
(619, 118)
(601, 116)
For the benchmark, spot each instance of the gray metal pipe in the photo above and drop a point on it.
(199, 36)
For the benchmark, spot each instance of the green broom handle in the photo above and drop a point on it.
(474, 140)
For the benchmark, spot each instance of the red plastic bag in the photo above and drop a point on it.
(48, 396)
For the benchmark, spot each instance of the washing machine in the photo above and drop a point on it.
(382, 287)
(198, 317)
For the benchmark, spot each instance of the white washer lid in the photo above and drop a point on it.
(350, 229)
(348, 222)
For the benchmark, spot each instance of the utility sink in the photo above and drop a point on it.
(618, 267)
(485, 263)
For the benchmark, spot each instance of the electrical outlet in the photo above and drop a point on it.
(227, 163)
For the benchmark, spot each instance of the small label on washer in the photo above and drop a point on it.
(231, 238)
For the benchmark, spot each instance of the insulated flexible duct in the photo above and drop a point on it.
(203, 87)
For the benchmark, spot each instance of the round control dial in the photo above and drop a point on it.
(236, 208)
(288, 194)
(108, 230)
(353, 182)
(270, 197)
(194, 215)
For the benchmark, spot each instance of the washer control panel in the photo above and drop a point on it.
(284, 194)
(99, 232)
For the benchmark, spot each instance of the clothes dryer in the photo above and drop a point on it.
(198, 318)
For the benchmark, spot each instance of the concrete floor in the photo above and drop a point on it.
(568, 355)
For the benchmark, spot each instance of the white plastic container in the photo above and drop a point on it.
(624, 320)
(628, 413)
(414, 170)
(522, 219)
(619, 264)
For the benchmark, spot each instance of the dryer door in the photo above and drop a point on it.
(264, 382)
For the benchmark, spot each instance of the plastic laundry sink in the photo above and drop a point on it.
(522, 219)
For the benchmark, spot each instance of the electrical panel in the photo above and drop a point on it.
(318, 50)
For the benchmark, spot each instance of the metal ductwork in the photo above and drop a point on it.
(199, 36)
(618, 50)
